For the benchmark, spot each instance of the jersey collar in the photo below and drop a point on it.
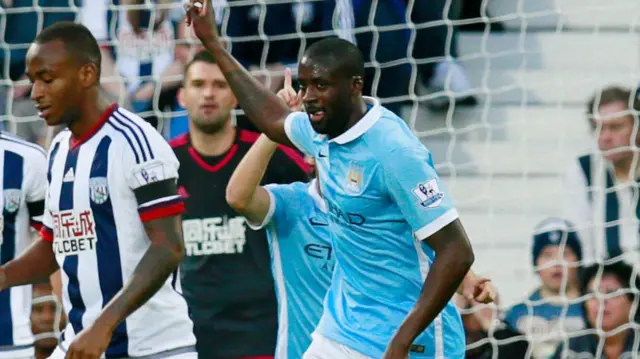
(363, 125)
(312, 189)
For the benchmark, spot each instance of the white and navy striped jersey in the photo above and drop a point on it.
(102, 187)
(137, 55)
(24, 183)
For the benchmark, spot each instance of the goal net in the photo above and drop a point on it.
(531, 65)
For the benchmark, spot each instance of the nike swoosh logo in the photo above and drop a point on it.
(313, 222)
(320, 154)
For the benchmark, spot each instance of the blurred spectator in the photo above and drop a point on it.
(386, 80)
(602, 187)
(46, 312)
(433, 48)
(98, 18)
(24, 19)
(439, 42)
(226, 273)
(291, 20)
(547, 315)
(140, 42)
(481, 322)
(612, 299)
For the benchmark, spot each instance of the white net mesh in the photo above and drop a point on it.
(503, 159)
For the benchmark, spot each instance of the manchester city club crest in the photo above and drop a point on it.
(354, 178)
(98, 190)
(12, 199)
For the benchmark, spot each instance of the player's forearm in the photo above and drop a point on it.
(37, 263)
(157, 264)
(265, 110)
(247, 176)
(453, 259)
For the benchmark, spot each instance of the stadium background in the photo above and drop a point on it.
(531, 64)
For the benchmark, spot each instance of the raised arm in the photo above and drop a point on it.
(244, 193)
(265, 110)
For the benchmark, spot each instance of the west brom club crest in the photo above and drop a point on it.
(98, 190)
(12, 200)
(429, 194)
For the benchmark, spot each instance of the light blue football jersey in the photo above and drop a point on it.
(382, 192)
(302, 262)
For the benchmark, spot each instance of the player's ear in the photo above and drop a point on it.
(89, 75)
(357, 83)
(181, 97)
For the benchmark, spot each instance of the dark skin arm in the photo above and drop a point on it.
(35, 264)
(159, 261)
(453, 259)
(265, 110)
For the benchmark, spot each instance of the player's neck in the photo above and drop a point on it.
(624, 168)
(571, 292)
(213, 144)
(356, 115)
(90, 113)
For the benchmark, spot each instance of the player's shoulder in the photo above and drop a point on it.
(28, 150)
(294, 194)
(293, 189)
(389, 133)
(180, 141)
(131, 124)
(136, 137)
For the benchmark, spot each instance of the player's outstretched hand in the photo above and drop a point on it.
(481, 291)
(201, 17)
(288, 94)
(91, 343)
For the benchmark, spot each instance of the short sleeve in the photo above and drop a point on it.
(151, 171)
(299, 131)
(414, 185)
(35, 187)
(283, 200)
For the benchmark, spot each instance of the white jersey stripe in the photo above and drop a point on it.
(126, 115)
(127, 132)
(158, 201)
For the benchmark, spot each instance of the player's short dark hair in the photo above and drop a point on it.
(610, 95)
(77, 39)
(341, 55)
(200, 56)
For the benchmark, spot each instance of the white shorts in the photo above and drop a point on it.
(59, 353)
(324, 348)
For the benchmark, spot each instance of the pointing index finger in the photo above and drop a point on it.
(288, 83)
